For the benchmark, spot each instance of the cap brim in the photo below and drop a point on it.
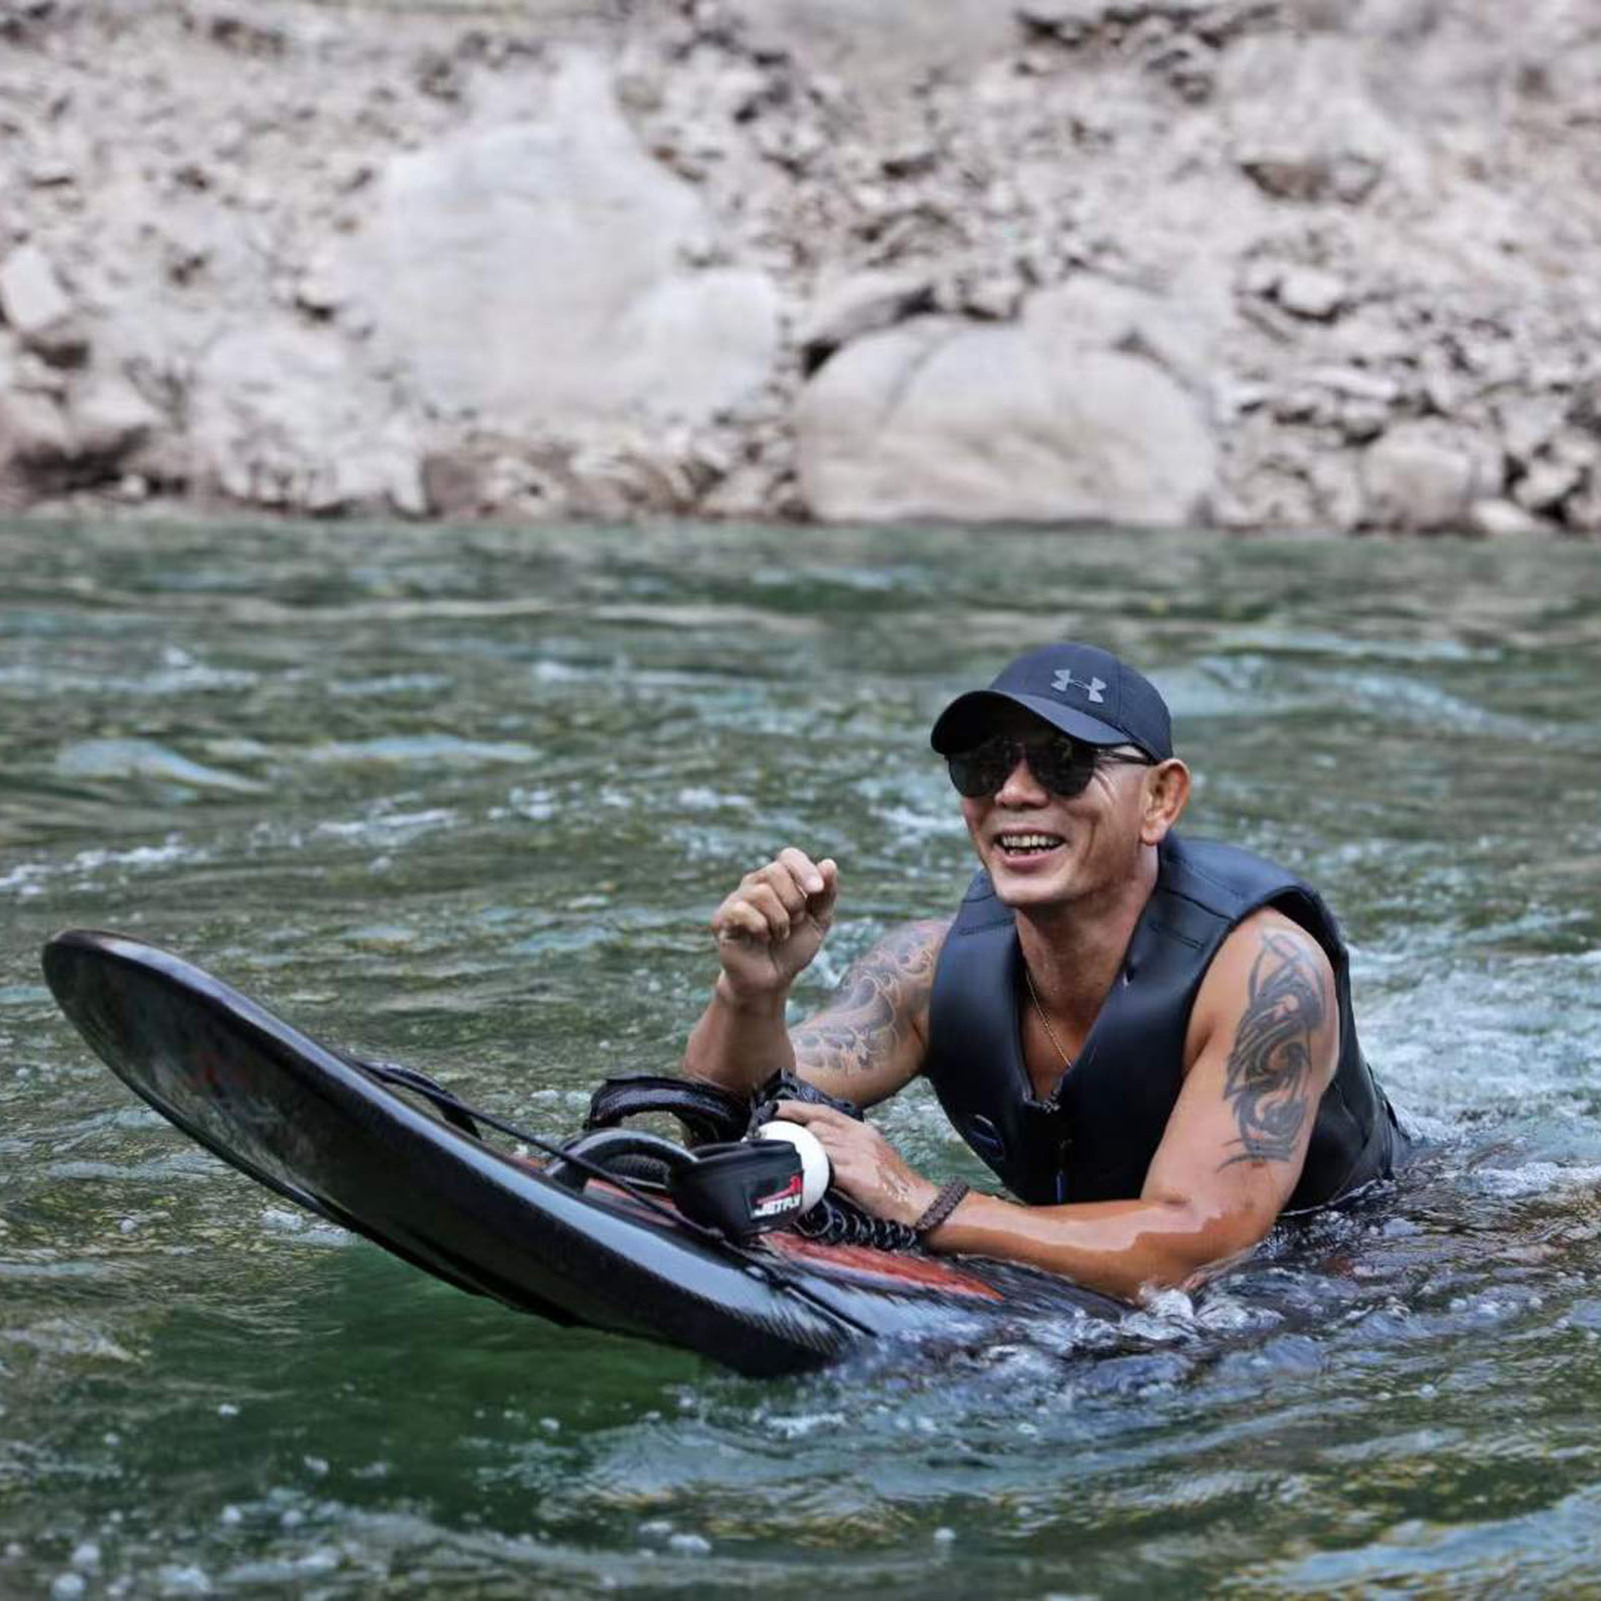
(969, 717)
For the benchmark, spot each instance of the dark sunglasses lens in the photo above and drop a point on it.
(1062, 765)
(982, 770)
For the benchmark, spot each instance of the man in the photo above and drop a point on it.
(1149, 1040)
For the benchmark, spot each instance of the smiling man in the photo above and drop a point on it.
(1148, 1039)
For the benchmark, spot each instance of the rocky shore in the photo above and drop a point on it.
(1305, 264)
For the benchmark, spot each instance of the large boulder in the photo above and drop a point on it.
(940, 418)
(532, 272)
(1425, 476)
(279, 415)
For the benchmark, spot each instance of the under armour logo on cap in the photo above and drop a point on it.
(1110, 703)
(1065, 680)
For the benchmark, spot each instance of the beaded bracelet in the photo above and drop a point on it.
(940, 1208)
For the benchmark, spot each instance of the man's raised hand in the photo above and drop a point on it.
(772, 926)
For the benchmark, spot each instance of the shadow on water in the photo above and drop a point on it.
(471, 808)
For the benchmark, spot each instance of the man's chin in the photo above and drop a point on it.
(1020, 889)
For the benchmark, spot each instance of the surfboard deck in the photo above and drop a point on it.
(300, 1119)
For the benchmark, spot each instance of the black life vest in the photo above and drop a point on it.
(1093, 1140)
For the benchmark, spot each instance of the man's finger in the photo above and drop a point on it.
(783, 882)
(822, 1116)
(739, 920)
(821, 902)
(767, 903)
(808, 875)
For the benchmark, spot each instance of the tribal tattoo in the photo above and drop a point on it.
(1270, 1067)
(876, 1004)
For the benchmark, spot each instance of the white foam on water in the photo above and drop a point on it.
(129, 759)
(537, 805)
(390, 684)
(390, 828)
(430, 752)
(175, 679)
(700, 798)
(1534, 1178)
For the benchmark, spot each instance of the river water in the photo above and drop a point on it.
(468, 799)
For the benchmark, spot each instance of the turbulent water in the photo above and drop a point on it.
(468, 799)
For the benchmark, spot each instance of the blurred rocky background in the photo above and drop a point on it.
(1321, 264)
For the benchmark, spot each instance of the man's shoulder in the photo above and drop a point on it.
(1268, 966)
(1261, 945)
(911, 946)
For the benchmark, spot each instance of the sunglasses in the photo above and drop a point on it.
(1062, 764)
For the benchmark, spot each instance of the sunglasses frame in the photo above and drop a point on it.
(1009, 749)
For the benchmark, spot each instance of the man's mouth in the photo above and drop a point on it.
(1032, 843)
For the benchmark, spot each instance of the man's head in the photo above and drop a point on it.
(1066, 770)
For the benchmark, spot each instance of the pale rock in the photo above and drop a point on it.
(746, 493)
(1356, 383)
(63, 343)
(34, 432)
(109, 418)
(1577, 447)
(1235, 397)
(1361, 420)
(31, 295)
(1306, 125)
(322, 289)
(528, 274)
(453, 484)
(1529, 423)
(1311, 293)
(871, 43)
(995, 298)
(1336, 484)
(1303, 403)
(1346, 175)
(1369, 334)
(1179, 332)
(1261, 276)
(943, 419)
(279, 414)
(1501, 519)
(1547, 484)
(1421, 478)
(1067, 20)
(1581, 512)
(401, 473)
(858, 304)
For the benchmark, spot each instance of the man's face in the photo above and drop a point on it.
(1044, 850)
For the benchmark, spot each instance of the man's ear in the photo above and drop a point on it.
(1167, 791)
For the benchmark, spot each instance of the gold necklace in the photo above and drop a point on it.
(1033, 995)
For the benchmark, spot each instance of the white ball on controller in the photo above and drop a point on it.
(815, 1169)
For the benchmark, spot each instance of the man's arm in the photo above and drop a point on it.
(1263, 1046)
(869, 1041)
(864, 1045)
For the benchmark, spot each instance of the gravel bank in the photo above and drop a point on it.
(1258, 263)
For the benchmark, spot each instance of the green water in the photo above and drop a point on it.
(468, 799)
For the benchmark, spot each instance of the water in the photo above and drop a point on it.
(468, 799)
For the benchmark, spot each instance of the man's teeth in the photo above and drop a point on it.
(1030, 842)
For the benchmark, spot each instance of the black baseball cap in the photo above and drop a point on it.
(1082, 690)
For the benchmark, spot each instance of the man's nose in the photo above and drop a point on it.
(1021, 788)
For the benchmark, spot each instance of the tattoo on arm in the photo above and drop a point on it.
(1270, 1068)
(874, 1010)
